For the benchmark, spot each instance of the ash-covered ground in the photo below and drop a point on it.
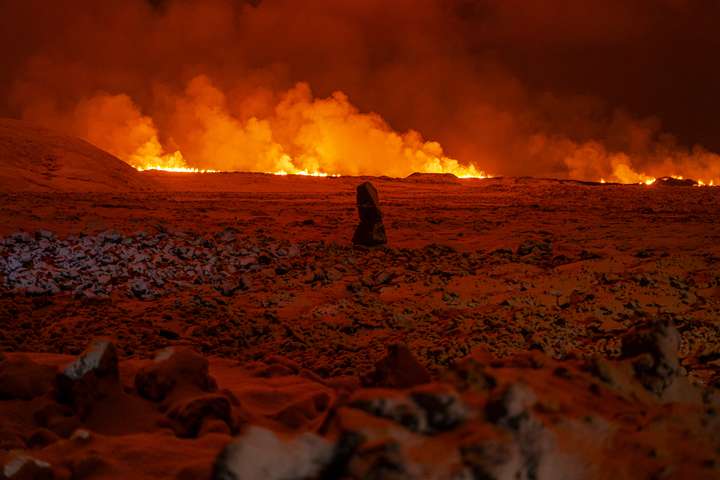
(512, 328)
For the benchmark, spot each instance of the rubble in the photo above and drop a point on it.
(142, 266)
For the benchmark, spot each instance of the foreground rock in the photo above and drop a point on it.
(371, 230)
(522, 417)
(21, 466)
(261, 453)
(90, 378)
(174, 369)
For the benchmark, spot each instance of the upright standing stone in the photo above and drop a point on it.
(371, 231)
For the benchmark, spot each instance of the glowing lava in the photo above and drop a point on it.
(160, 168)
(304, 173)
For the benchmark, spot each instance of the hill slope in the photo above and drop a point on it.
(33, 158)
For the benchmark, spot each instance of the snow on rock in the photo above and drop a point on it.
(262, 453)
(100, 358)
(141, 266)
(22, 466)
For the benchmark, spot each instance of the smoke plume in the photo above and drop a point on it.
(604, 89)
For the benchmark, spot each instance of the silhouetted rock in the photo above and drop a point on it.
(371, 230)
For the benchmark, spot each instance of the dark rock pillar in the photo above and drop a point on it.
(371, 231)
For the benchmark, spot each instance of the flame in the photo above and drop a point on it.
(295, 133)
(160, 168)
(303, 173)
(172, 162)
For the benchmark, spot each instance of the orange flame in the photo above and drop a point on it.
(297, 135)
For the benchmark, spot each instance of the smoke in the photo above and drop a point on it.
(611, 89)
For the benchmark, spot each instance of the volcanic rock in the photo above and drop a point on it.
(427, 409)
(438, 178)
(510, 405)
(21, 466)
(190, 414)
(92, 376)
(653, 352)
(174, 367)
(139, 288)
(398, 369)
(675, 182)
(442, 406)
(371, 230)
(261, 453)
(42, 437)
(99, 359)
(230, 286)
(536, 247)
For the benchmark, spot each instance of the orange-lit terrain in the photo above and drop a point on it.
(496, 327)
(359, 240)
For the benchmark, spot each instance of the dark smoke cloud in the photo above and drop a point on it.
(552, 87)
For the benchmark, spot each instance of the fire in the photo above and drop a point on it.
(303, 173)
(160, 168)
(173, 162)
(289, 133)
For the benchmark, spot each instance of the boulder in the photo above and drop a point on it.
(261, 453)
(22, 466)
(94, 375)
(371, 230)
(653, 352)
(427, 409)
(189, 415)
(174, 367)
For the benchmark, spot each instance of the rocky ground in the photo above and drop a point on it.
(511, 328)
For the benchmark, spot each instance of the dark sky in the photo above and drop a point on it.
(485, 77)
